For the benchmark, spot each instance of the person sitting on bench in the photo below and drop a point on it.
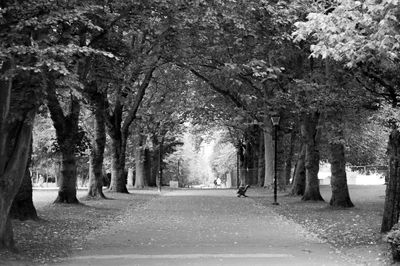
(242, 191)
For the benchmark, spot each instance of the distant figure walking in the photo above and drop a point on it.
(242, 191)
(219, 182)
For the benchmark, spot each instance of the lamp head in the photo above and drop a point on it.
(275, 120)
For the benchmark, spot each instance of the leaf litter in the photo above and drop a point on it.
(64, 228)
(352, 231)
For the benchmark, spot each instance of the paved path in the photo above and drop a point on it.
(204, 227)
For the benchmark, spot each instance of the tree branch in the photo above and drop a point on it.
(56, 112)
(138, 99)
(214, 87)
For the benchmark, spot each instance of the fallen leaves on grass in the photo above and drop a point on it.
(345, 229)
(63, 228)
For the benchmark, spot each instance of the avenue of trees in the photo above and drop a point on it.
(114, 84)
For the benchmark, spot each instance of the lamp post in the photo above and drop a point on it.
(275, 122)
(159, 177)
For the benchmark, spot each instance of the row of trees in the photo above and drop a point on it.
(133, 72)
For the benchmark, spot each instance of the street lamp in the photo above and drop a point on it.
(275, 122)
(159, 177)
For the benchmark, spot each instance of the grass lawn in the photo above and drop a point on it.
(63, 227)
(354, 231)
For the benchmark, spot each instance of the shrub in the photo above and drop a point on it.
(393, 237)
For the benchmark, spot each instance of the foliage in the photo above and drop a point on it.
(393, 238)
(223, 159)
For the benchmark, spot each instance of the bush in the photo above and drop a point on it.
(393, 237)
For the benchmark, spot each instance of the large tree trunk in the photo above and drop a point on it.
(98, 143)
(68, 139)
(119, 132)
(18, 105)
(310, 134)
(67, 189)
(299, 177)
(118, 182)
(340, 192)
(13, 163)
(269, 157)
(22, 207)
(391, 209)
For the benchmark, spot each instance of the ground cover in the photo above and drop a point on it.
(354, 232)
(64, 227)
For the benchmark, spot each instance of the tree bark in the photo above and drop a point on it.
(289, 157)
(269, 156)
(340, 192)
(118, 183)
(18, 105)
(391, 208)
(22, 207)
(139, 163)
(299, 178)
(130, 178)
(242, 164)
(119, 132)
(261, 161)
(67, 189)
(310, 134)
(13, 165)
(238, 153)
(280, 160)
(67, 131)
(98, 142)
(148, 168)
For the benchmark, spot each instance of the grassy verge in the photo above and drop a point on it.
(64, 227)
(354, 231)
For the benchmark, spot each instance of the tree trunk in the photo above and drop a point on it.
(18, 105)
(238, 154)
(98, 143)
(95, 186)
(299, 178)
(22, 207)
(67, 131)
(289, 157)
(310, 135)
(139, 163)
(118, 183)
(340, 192)
(67, 189)
(280, 160)
(148, 168)
(130, 178)
(269, 157)
(261, 161)
(242, 165)
(13, 161)
(119, 132)
(391, 208)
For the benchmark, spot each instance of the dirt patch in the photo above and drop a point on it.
(63, 227)
(354, 232)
